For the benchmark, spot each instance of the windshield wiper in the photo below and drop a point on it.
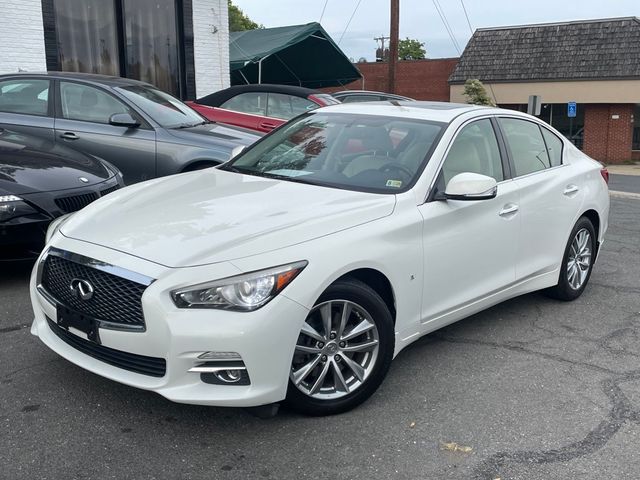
(189, 125)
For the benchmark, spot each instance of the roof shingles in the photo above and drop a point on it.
(588, 50)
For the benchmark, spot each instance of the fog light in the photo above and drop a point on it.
(229, 376)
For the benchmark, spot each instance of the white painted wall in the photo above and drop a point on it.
(211, 50)
(21, 36)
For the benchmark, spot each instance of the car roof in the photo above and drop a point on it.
(217, 98)
(421, 110)
(345, 93)
(105, 80)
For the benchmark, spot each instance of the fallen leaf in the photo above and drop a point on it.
(454, 447)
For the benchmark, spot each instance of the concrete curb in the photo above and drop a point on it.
(616, 194)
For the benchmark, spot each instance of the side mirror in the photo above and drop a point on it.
(237, 151)
(123, 120)
(471, 186)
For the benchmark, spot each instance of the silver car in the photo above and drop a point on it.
(142, 130)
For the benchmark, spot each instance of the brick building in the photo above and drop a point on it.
(594, 63)
(182, 46)
(419, 79)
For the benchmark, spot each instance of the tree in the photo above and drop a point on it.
(476, 93)
(238, 21)
(410, 49)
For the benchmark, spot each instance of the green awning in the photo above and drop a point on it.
(303, 55)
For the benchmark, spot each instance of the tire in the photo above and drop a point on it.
(343, 385)
(568, 287)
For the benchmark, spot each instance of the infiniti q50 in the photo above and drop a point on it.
(298, 270)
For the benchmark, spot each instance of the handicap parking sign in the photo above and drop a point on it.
(572, 108)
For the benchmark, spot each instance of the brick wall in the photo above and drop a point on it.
(607, 138)
(21, 36)
(211, 50)
(419, 79)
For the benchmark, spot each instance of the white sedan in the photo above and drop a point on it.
(298, 270)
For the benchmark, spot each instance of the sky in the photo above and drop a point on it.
(420, 20)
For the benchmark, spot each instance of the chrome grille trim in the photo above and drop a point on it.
(142, 280)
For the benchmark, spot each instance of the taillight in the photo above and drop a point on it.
(605, 174)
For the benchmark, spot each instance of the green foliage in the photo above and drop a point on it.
(410, 49)
(238, 21)
(476, 93)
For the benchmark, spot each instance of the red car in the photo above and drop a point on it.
(260, 107)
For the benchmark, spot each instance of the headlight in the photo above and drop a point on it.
(245, 292)
(55, 225)
(12, 206)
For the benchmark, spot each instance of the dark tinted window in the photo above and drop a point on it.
(474, 150)
(554, 147)
(30, 97)
(528, 150)
(88, 104)
(87, 36)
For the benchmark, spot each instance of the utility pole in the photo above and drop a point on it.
(393, 44)
(381, 39)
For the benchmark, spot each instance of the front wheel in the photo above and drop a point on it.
(577, 263)
(343, 351)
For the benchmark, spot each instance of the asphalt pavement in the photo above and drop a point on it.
(625, 183)
(530, 389)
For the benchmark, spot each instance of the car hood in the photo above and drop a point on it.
(211, 216)
(217, 133)
(29, 164)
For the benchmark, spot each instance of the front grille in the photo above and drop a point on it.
(75, 202)
(107, 191)
(115, 299)
(152, 366)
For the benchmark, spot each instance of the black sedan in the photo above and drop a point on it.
(143, 131)
(39, 181)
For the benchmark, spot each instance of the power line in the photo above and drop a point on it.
(446, 25)
(466, 15)
(349, 22)
(323, 9)
(446, 21)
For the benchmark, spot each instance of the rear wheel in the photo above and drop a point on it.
(577, 262)
(343, 351)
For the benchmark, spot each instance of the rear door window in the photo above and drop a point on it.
(26, 96)
(554, 147)
(527, 147)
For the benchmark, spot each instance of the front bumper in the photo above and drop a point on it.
(264, 338)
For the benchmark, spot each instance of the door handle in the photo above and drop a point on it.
(69, 136)
(508, 209)
(268, 125)
(570, 189)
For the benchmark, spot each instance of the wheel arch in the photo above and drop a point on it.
(196, 164)
(379, 282)
(594, 218)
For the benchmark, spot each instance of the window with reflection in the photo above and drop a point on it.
(87, 36)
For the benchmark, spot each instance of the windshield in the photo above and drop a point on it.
(358, 152)
(168, 111)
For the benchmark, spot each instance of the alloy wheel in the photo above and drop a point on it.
(336, 350)
(579, 261)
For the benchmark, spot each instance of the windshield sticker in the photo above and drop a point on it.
(394, 183)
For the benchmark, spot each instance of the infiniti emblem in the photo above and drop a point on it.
(81, 289)
(83, 179)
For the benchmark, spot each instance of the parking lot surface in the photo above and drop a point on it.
(535, 388)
